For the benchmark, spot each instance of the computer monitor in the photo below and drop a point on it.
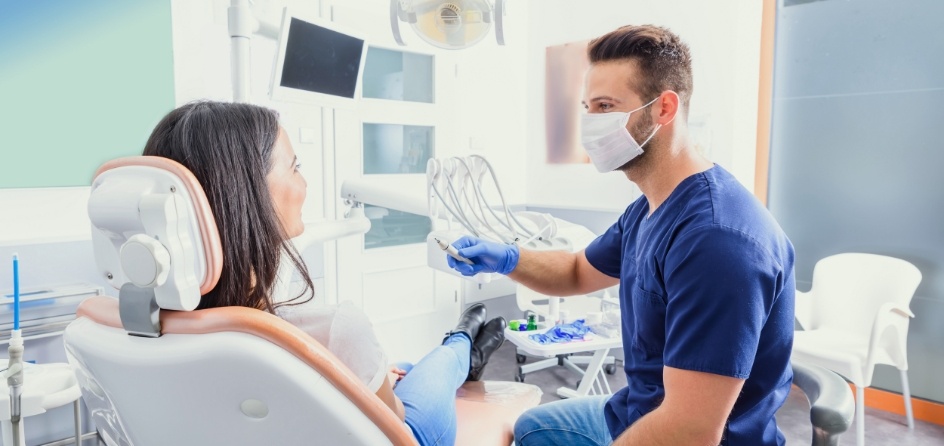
(318, 62)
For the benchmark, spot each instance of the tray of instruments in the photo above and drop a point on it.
(590, 342)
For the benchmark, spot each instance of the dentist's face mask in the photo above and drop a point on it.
(607, 141)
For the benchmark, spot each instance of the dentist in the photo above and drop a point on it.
(705, 272)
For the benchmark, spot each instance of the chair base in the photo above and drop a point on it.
(597, 363)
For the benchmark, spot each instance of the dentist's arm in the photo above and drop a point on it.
(555, 273)
(559, 273)
(694, 412)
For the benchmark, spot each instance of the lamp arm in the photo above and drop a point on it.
(355, 223)
(392, 194)
(395, 21)
(500, 21)
(242, 25)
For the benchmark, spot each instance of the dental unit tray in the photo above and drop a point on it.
(44, 311)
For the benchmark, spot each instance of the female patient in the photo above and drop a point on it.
(251, 177)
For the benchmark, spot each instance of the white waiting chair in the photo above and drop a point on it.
(856, 316)
(155, 372)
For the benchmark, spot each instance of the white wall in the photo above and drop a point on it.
(724, 37)
(493, 103)
(202, 71)
(501, 100)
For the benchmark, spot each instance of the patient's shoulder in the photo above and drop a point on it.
(346, 331)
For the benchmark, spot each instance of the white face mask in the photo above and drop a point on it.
(607, 141)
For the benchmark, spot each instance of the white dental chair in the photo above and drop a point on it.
(153, 371)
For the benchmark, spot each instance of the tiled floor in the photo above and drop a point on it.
(881, 428)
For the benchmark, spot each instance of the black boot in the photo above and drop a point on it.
(490, 337)
(469, 321)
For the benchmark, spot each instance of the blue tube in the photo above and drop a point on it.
(16, 292)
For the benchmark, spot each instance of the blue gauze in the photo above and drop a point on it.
(574, 331)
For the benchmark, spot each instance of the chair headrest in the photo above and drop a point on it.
(152, 227)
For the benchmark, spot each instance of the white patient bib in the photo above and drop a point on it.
(347, 332)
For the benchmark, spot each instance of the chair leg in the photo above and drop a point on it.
(906, 393)
(860, 416)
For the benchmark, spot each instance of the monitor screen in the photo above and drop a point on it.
(317, 63)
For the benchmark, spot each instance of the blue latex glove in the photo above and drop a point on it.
(574, 331)
(486, 257)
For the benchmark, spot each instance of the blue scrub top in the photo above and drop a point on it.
(706, 284)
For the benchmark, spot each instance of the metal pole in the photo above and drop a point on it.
(240, 32)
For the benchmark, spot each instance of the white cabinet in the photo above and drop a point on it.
(388, 136)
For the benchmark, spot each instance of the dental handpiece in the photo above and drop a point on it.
(452, 251)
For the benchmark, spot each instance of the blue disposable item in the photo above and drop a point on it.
(574, 331)
(488, 257)
(16, 292)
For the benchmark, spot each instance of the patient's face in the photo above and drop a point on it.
(287, 186)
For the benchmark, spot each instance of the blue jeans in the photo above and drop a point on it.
(428, 391)
(570, 422)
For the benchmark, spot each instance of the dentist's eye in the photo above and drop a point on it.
(298, 166)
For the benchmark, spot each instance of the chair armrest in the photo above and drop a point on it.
(831, 404)
(895, 309)
(803, 309)
(896, 317)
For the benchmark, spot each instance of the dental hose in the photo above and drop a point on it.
(15, 382)
(14, 370)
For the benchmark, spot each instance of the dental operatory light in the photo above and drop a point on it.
(449, 24)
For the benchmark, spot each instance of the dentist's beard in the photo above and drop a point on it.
(640, 131)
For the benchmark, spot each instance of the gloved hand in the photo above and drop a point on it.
(487, 257)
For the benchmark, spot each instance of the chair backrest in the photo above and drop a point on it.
(848, 289)
(217, 376)
(220, 376)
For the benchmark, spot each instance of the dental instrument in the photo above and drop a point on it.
(14, 372)
(452, 251)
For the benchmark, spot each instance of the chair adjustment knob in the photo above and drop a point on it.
(145, 261)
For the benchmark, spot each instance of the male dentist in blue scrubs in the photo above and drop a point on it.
(705, 272)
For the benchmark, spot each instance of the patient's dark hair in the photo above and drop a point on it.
(228, 147)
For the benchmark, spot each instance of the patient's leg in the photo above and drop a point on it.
(428, 391)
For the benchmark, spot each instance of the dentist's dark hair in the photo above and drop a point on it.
(663, 59)
(228, 147)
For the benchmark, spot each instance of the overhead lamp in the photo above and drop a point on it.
(449, 24)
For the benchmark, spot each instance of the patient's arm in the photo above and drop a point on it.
(385, 393)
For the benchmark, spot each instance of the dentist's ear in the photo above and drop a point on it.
(666, 107)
